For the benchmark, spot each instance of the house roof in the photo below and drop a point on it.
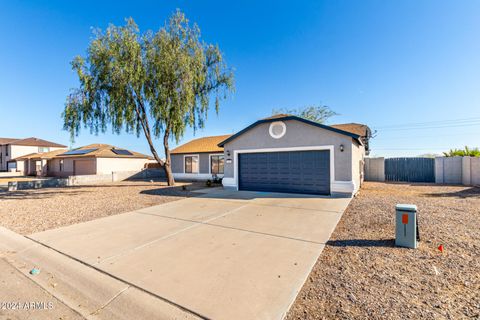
(7, 140)
(286, 117)
(98, 151)
(32, 141)
(42, 155)
(205, 144)
(103, 151)
(356, 128)
(277, 116)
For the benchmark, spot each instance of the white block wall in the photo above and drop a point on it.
(457, 170)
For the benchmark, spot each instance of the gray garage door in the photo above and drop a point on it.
(295, 172)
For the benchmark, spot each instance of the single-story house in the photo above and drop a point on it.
(93, 159)
(199, 159)
(12, 148)
(282, 153)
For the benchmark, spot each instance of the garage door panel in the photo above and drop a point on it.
(84, 167)
(297, 172)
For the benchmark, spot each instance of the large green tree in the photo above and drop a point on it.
(317, 113)
(158, 83)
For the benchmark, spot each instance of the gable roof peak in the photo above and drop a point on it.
(292, 117)
(36, 142)
(277, 116)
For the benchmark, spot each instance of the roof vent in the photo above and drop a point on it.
(277, 129)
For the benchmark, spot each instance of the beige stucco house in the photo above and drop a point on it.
(11, 149)
(93, 159)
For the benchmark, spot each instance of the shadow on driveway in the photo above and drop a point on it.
(362, 243)
(250, 195)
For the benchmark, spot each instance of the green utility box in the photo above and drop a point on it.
(406, 230)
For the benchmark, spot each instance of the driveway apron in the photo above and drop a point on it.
(223, 255)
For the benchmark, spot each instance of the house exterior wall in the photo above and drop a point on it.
(22, 166)
(299, 135)
(358, 163)
(15, 151)
(177, 163)
(178, 166)
(109, 165)
(54, 167)
(18, 151)
(102, 165)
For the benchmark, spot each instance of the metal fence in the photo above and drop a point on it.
(410, 169)
(449, 170)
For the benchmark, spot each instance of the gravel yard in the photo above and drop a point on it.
(30, 211)
(361, 275)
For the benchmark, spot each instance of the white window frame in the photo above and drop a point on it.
(191, 155)
(210, 162)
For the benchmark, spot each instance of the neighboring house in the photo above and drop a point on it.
(199, 159)
(93, 159)
(283, 153)
(11, 149)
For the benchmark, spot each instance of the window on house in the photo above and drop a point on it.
(43, 149)
(216, 164)
(6, 150)
(191, 164)
(61, 165)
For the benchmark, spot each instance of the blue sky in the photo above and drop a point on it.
(382, 63)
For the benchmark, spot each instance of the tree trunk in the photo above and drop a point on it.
(141, 113)
(167, 165)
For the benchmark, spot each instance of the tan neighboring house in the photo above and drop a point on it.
(93, 159)
(11, 149)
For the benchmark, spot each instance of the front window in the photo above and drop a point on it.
(191, 164)
(216, 164)
(61, 165)
(43, 149)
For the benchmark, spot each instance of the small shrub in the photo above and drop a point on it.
(467, 152)
(209, 183)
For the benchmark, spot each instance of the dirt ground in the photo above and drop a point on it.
(30, 211)
(361, 275)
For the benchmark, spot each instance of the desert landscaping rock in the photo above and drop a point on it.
(361, 275)
(30, 211)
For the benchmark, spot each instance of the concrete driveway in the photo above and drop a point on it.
(222, 255)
